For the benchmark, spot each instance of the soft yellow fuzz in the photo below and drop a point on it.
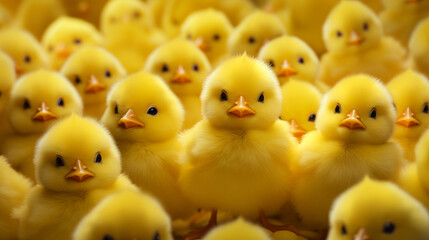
(419, 47)
(7, 76)
(88, 10)
(238, 229)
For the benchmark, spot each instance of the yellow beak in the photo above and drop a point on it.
(180, 76)
(241, 108)
(43, 113)
(407, 119)
(286, 70)
(352, 121)
(362, 235)
(94, 85)
(355, 38)
(79, 172)
(130, 120)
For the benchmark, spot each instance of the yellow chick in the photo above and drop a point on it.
(88, 10)
(351, 141)
(13, 186)
(6, 19)
(25, 50)
(253, 32)
(183, 67)
(209, 29)
(355, 43)
(7, 76)
(376, 5)
(419, 47)
(238, 229)
(125, 215)
(145, 118)
(93, 70)
(37, 99)
(64, 36)
(377, 210)
(410, 92)
(77, 165)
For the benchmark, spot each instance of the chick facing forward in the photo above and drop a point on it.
(354, 38)
(419, 47)
(377, 210)
(93, 70)
(238, 229)
(77, 165)
(7, 76)
(351, 141)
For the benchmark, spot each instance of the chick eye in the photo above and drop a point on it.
(301, 60)
(116, 109)
(98, 158)
(338, 108)
(271, 63)
(312, 117)
(107, 73)
(152, 111)
(251, 40)
(156, 236)
(26, 104)
(77, 80)
(60, 102)
(389, 228)
(195, 67)
(77, 41)
(365, 26)
(107, 237)
(27, 59)
(261, 98)
(425, 108)
(223, 96)
(373, 113)
(59, 162)
(343, 229)
(216, 37)
(137, 14)
(165, 68)
(339, 34)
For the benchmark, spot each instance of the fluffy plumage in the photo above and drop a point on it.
(238, 229)
(419, 47)
(7, 76)
(88, 10)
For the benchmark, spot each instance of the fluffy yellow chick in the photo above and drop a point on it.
(93, 70)
(77, 165)
(351, 141)
(410, 92)
(88, 10)
(183, 67)
(253, 32)
(209, 29)
(13, 186)
(238, 229)
(354, 38)
(25, 50)
(145, 118)
(419, 47)
(377, 210)
(64, 36)
(37, 100)
(125, 215)
(7, 79)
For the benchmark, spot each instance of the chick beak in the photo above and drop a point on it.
(79, 172)
(296, 130)
(180, 77)
(286, 70)
(130, 120)
(62, 51)
(241, 108)
(362, 235)
(266, 40)
(43, 113)
(201, 44)
(407, 119)
(352, 121)
(94, 85)
(18, 68)
(355, 38)
(82, 7)
(126, 18)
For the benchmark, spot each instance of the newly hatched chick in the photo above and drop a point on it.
(36, 101)
(64, 36)
(253, 32)
(77, 165)
(209, 29)
(351, 141)
(377, 210)
(419, 47)
(410, 92)
(93, 70)
(354, 38)
(88, 10)
(183, 67)
(25, 50)
(145, 118)
(238, 229)
(7, 79)
(125, 215)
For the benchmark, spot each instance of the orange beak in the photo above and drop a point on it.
(18, 68)
(94, 85)
(407, 119)
(362, 235)
(43, 113)
(296, 130)
(355, 38)
(201, 44)
(352, 121)
(286, 70)
(180, 77)
(130, 120)
(62, 51)
(79, 172)
(241, 108)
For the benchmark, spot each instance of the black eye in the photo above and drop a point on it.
(116, 109)
(223, 96)
(425, 108)
(27, 59)
(107, 73)
(216, 37)
(77, 41)
(195, 67)
(136, 14)
(271, 63)
(251, 40)
(301, 60)
(338, 108)
(165, 68)
(343, 229)
(59, 162)
(373, 113)
(261, 98)
(312, 117)
(339, 34)
(389, 228)
(156, 236)
(26, 104)
(60, 102)
(98, 158)
(152, 111)
(189, 36)
(77, 80)
(365, 26)
(394, 106)
(107, 237)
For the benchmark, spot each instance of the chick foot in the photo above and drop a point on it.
(274, 228)
(198, 234)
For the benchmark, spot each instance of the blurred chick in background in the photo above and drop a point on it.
(419, 47)
(93, 70)
(7, 79)
(238, 229)
(354, 38)
(11, 6)
(88, 10)
(410, 92)
(6, 19)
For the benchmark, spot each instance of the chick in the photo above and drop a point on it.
(253, 32)
(37, 99)
(209, 29)
(7, 79)
(93, 70)
(355, 43)
(6, 19)
(419, 47)
(183, 67)
(77, 165)
(238, 229)
(351, 141)
(88, 10)
(410, 92)
(11, 6)
(25, 50)
(377, 210)
(13, 186)
(125, 215)
(64, 36)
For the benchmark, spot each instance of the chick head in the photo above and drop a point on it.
(290, 57)
(125, 215)
(377, 210)
(181, 64)
(241, 93)
(25, 50)
(92, 70)
(358, 109)
(402, 4)
(209, 29)
(419, 45)
(7, 78)
(64, 36)
(351, 26)
(141, 108)
(253, 32)
(410, 92)
(76, 154)
(39, 98)
(238, 229)
(422, 159)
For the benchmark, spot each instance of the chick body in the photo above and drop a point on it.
(88, 10)
(419, 47)
(7, 76)
(238, 229)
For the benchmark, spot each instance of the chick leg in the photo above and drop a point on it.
(274, 228)
(198, 234)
